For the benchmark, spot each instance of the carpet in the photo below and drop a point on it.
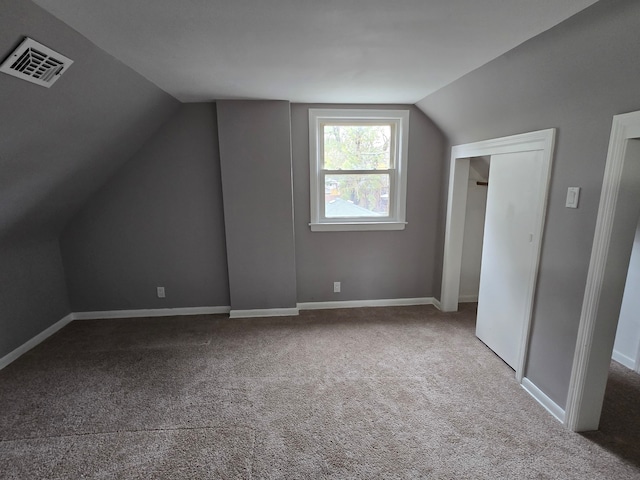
(392, 392)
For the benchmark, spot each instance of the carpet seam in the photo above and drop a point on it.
(253, 453)
(111, 432)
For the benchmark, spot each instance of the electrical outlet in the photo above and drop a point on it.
(336, 287)
(161, 292)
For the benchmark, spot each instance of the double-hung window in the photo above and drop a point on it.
(358, 161)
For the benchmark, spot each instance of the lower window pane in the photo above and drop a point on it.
(356, 195)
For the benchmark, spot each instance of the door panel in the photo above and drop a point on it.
(508, 256)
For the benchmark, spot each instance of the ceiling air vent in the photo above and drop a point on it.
(35, 63)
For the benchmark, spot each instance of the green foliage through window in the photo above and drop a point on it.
(366, 149)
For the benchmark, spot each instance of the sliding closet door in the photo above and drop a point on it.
(508, 257)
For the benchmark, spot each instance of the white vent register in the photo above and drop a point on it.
(35, 63)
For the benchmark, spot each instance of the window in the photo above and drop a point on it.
(358, 169)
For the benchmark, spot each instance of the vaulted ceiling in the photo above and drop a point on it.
(355, 51)
(59, 145)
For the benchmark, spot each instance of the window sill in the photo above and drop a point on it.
(356, 226)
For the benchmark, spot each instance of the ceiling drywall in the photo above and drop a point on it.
(358, 51)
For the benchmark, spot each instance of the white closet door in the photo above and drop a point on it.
(508, 257)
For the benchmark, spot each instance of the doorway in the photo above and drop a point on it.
(471, 266)
(541, 142)
(616, 224)
(626, 348)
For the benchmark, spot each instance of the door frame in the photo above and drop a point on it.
(542, 140)
(595, 341)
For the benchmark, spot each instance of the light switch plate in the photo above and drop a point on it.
(573, 195)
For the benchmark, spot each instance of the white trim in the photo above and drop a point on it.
(153, 312)
(456, 204)
(468, 299)
(454, 232)
(264, 312)
(397, 214)
(543, 141)
(437, 304)
(42, 336)
(587, 384)
(622, 359)
(356, 227)
(552, 407)
(392, 302)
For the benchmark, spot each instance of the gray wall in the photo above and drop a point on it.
(57, 146)
(33, 294)
(255, 156)
(574, 77)
(377, 264)
(158, 222)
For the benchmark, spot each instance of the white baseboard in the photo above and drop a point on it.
(159, 312)
(165, 312)
(42, 336)
(264, 312)
(437, 304)
(393, 302)
(468, 299)
(624, 360)
(543, 400)
(153, 312)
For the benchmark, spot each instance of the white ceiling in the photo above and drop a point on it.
(343, 51)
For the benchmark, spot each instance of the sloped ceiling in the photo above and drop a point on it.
(343, 51)
(58, 145)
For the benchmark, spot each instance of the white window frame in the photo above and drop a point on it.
(398, 172)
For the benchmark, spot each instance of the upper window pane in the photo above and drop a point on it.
(357, 147)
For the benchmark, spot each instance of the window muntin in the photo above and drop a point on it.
(358, 169)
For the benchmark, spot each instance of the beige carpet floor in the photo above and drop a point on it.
(404, 392)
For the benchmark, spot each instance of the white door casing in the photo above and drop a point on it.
(612, 244)
(542, 141)
(508, 258)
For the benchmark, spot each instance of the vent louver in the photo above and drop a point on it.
(35, 63)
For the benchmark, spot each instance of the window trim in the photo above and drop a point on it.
(398, 175)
